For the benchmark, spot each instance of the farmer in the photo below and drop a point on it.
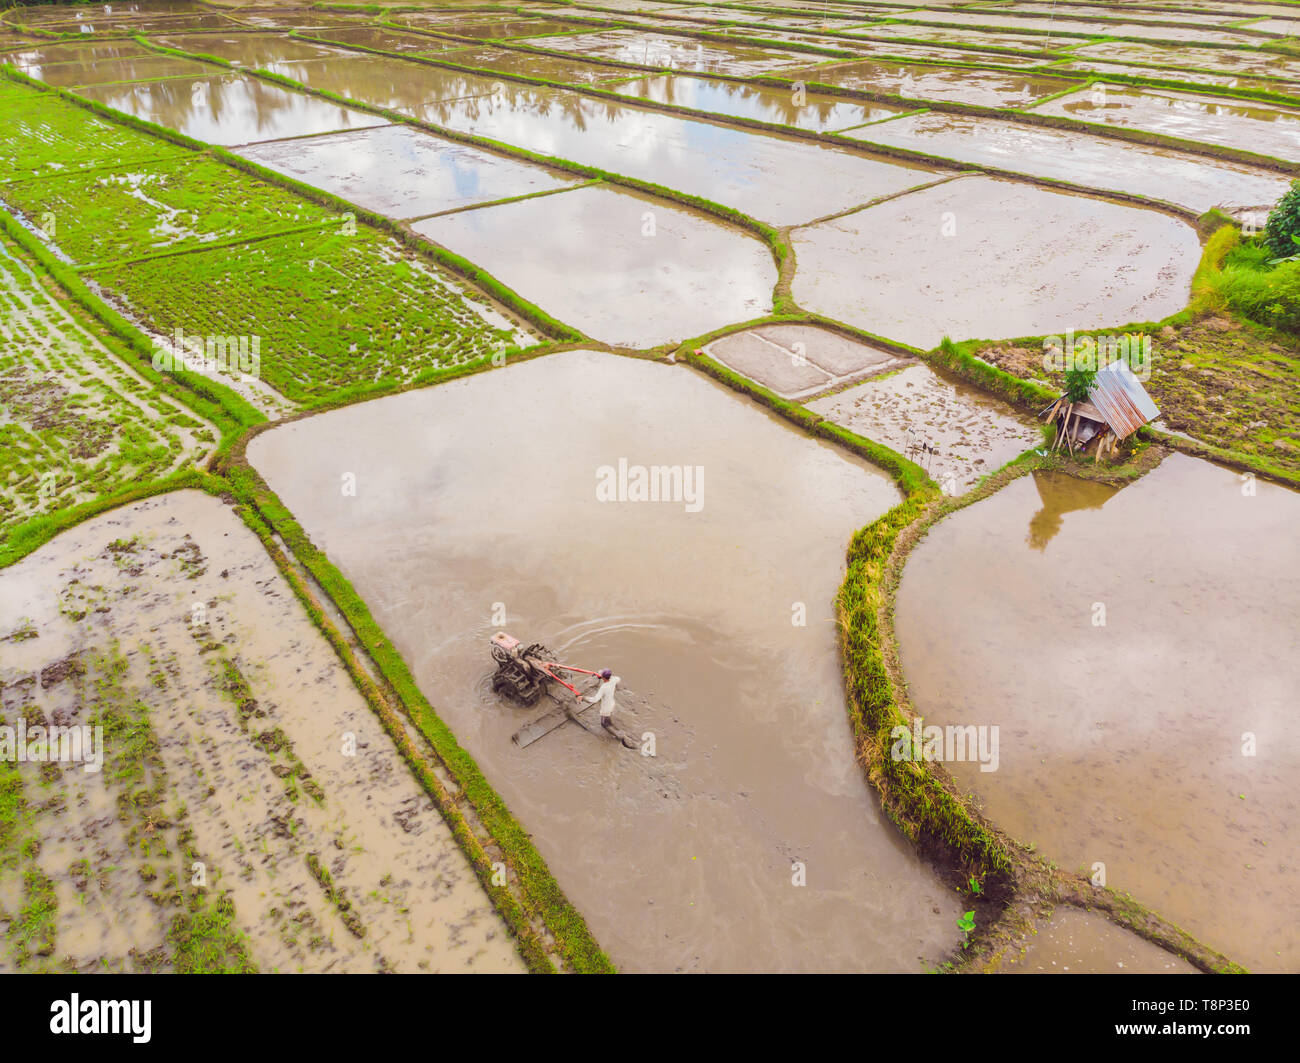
(605, 695)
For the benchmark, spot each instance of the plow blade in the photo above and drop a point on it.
(540, 727)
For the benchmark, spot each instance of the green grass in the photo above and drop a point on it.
(43, 134)
(146, 207)
(76, 425)
(1266, 293)
(329, 310)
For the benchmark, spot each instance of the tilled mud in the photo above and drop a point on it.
(280, 783)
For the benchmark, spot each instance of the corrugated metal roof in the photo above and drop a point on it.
(1122, 399)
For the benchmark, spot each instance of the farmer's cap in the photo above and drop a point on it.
(605, 673)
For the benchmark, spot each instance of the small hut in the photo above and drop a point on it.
(1116, 407)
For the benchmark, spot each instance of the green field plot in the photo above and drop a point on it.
(328, 310)
(143, 208)
(44, 134)
(75, 423)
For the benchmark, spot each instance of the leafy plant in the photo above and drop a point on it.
(1284, 222)
(1078, 382)
(1289, 258)
(966, 924)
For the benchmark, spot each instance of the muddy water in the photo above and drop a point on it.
(509, 61)
(385, 40)
(1024, 42)
(385, 845)
(230, 109)
(490, 29)
(675, 53)
(762, 175)
(623, 268)
(1253, 127)
(986, 88)
(682, 861)
(760, 102)
(1245, 62)
(48, 54)
(250, 49)
(928, 53)
(93, 12)
(107, 71)
(1123, 744)
(404, 172)
(164, 24)
(1207, 18)
(1278, 27)
(1083, 28)
(1098, 162)
(1073, 941)
(1048, 261)
(1195, 77)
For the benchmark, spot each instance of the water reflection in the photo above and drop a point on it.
(1060, 494)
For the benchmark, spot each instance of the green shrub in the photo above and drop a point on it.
(1284, 223)
(1078, 382)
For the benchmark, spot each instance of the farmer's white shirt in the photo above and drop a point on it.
(605, 695)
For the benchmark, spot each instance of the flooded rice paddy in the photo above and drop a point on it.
(915, 81)
(762, 103)
(1024, 42)
(674, 53)
(760, 174)
(1108, 165)
(1240, 61)
(229, 109)
(535, 65)
(107, 71)
(1084, 264)
(1060, 22)
(754, 767)
(404, 172)
(1157, 742)
(623, 268)
(1078, 942)
(1252, 127)
(252, 50)
(380, 39)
